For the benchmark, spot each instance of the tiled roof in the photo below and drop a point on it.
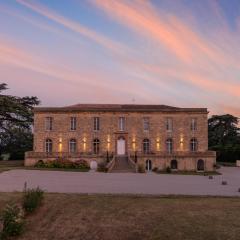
(118, 108)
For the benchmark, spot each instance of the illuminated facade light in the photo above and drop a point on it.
(158, 144)
(60, 145)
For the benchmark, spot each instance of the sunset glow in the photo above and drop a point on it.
(184, 53)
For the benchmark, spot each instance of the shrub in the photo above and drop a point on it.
(141, 168)
(12, 221)
(102, 167)
(32, 198)
(155, 169)
(79, 164)
(168, 170)
(40, 163)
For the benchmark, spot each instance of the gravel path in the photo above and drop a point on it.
(151, 183)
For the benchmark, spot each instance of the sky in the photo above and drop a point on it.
(183, 53)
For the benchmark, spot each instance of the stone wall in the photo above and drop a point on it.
(109, 131)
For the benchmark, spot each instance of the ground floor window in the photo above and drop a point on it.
(169, 145)
(48, 145)
(148, 165)
(72, 145)
(146, 146)
(96, 146)
(174, 164)
(200, 165)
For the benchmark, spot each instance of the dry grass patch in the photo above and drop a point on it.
(75, 216)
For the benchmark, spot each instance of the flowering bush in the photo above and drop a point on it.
(32, 198)
(12, 220)
(79, 164)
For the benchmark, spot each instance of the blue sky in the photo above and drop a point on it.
(182, 52)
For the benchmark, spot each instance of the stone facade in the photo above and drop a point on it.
(180, 133)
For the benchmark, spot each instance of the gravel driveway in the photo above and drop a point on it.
(94, 182)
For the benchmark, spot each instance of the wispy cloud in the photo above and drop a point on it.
(76, 27)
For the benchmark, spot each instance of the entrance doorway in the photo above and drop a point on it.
(121, 146)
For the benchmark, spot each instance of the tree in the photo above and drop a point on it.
(224, 137)
(16, 119)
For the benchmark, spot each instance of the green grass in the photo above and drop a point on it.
(119, 217)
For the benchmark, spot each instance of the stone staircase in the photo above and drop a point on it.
(121, 165)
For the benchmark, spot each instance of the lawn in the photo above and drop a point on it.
(74, 216)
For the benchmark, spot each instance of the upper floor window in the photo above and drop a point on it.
(146, 124)
(73, 123)
(169, 145)
(72, 145)
(169, 124)
(193, 124)
(48, 123)
(193, 145)
(146, 146)
(121, 123)
(48, 145)
(96, 123)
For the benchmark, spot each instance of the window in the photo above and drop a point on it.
(48, 145)
(146, 146)
(121, 124)
(96, 123)
(193, 145)
(96, 146)
(146, 124)
(200, 165)
(169, 124)
(193, 124)
(72, 145)
(169, 145)
(73, 123)
(174, 164)
(148, 165)
(48, 123)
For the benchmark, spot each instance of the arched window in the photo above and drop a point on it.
(48, 145)
(146, 146)
(200, 165)
(193, 145)
(169, 145)
(174, 164)
(96, 146)
(72, 145)
(148, 165)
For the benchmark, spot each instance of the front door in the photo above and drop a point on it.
(121, 146)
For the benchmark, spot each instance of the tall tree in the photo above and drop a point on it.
(16, 118)
(224, 136)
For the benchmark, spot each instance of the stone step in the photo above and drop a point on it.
(122, 165)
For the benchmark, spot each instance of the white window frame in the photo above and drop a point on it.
(193, 145)
(146, 123)
(72, 142)
(169, 124)
(169, 145)
(96, 123)
(193, 126)
(73, 123)
(48, 141)
(48, 123)
(122, 123)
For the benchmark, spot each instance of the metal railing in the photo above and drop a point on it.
(173, 153)
(132, 163)
(111, 164)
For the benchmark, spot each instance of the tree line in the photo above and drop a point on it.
(16, 121)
